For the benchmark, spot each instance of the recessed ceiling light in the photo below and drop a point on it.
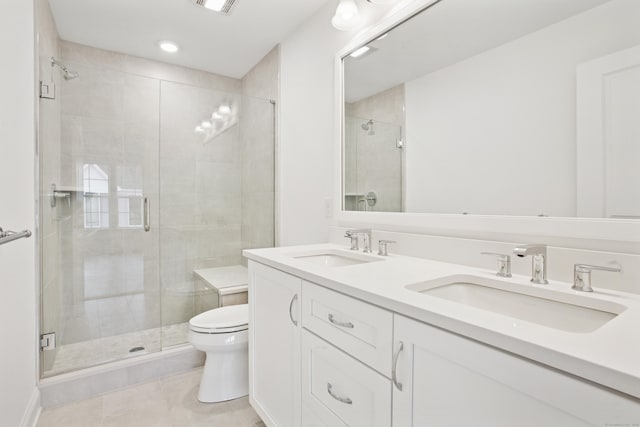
(360, 51)
(168, 46)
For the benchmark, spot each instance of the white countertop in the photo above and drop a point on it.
(226, 280)
(610, 355)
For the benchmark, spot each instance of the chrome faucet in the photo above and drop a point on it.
(538, 254)
(354, 240)
(366, 238)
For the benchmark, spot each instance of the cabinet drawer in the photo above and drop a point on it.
(360, 329)
(337, 390)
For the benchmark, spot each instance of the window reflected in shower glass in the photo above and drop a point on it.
(96, 196)
(130, 196)
(130, 211)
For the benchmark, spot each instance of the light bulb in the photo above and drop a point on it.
(224, 109)
(347, 9)
(347, 16)
(206, 124)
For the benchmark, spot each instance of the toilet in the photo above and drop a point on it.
(222, 333)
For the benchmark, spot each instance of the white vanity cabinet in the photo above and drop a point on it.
(320, 358)
(448, 380)
(274, 345)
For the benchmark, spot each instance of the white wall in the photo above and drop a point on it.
(307, 146)
(500, 127)
(17, 187)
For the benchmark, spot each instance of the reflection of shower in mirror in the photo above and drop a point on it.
(368, 126)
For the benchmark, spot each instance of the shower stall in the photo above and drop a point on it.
(373, 165)
(143, 180)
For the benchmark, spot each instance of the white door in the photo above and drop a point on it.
(608, 136)
(448, 380)
(274, 345)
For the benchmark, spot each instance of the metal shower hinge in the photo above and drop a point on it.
(48, 341)
(47, 90)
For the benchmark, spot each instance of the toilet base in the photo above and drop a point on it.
(225, 376)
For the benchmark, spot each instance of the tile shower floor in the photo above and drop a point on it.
(84, 354)
(170, 402)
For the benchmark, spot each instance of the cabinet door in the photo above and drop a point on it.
(448, 380)
(274, 345)
(340, 391)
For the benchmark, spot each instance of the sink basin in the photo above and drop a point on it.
(566, 312)
(335, 258)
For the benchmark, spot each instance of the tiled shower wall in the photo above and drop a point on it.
(200, 199)
(258, 152)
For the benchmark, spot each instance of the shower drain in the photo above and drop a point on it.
(134, 349)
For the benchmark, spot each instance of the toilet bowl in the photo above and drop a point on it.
(222, 333)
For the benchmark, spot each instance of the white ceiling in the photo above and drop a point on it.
(449, 32)
(227, 45)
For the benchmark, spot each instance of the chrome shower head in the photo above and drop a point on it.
(70, 75)
(368, 126)
(67, 74)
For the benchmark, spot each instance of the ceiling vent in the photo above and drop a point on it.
(224, 7)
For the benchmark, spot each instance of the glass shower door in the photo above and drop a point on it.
(100, 285)
(118, 275)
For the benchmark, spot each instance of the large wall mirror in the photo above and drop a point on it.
(497, 107)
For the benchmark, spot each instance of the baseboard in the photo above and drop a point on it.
(32, 412)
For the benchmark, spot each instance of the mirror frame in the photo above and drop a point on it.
(471, 226)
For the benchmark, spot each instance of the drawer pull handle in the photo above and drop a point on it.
(394, 377)
(336, 397)
(338, 323)
(294, 299)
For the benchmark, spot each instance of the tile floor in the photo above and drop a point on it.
(84, 354)
(169, 402)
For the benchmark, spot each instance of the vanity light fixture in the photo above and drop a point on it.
(360, 51)
(347, 16)
(206, 124)
(168, 46)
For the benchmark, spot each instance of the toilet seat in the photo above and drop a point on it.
(223, 320)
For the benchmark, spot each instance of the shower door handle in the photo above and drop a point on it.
(146, 215)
